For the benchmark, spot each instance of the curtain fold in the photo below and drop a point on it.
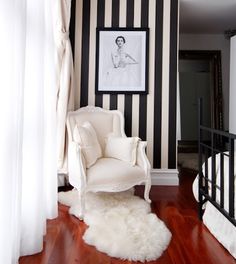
(65, 77)
(28, 189)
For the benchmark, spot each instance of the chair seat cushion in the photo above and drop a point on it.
(113, 172)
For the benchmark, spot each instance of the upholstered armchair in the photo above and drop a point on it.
(100, 156)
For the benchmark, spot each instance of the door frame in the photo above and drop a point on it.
(213, 56)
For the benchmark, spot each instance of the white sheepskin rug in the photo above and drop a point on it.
(121, 225)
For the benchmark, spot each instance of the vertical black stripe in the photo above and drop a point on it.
(130, 13)
(143, 98)
(172, 83)
(100, 13)
(72, 27)
(115, 23)
(100, 23)
(129, 97)
(144, 13)
(115, 13)
(128, 114)
(85, 53)
(113, 101)
(158, 85)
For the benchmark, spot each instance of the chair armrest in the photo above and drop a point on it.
(76, 166)
(142, 160)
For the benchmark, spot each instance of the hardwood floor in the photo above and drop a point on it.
(191, 241)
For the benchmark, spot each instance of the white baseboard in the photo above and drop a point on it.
(165, 177)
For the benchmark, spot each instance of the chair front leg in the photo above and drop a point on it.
(147, 190)
(81, 196)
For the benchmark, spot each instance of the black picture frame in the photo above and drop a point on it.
(122, 60)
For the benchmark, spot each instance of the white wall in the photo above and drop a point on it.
(212, 42)
(232, 91)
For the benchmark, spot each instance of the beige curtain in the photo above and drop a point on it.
(65, 77)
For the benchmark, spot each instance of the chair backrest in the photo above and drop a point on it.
(104, 122)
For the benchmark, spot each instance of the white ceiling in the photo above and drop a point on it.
(207, 16)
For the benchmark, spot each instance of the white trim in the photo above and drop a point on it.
(165, 177)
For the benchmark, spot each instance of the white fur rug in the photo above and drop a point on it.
(121, 225)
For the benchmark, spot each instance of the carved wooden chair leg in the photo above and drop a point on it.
(81, 205)
(147, 190)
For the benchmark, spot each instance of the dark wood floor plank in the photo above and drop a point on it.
(191, 241)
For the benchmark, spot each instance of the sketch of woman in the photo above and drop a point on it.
(120, 58)
(124, 71)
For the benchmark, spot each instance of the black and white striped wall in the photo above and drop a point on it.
(152, 117)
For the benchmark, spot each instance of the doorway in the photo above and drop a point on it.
(199, 76)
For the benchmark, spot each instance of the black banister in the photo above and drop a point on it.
(222, 180)
(231, 177)
(220, 160)
(213, 168)
(200, 185)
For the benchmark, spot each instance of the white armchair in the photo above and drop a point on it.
(105, 174)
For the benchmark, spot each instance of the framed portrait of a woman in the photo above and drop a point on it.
(122, 60)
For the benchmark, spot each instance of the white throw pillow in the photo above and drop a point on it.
(86, 136)
(122, 148)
